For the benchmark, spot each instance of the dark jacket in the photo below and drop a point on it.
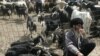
(71, 42)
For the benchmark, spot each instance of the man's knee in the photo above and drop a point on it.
(92, 44)
(86, 49)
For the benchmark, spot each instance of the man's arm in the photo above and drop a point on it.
(70, 46)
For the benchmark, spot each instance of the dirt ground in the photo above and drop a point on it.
(12, 29)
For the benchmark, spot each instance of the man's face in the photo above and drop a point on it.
(78, 26)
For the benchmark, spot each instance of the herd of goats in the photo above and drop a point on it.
(54, 26)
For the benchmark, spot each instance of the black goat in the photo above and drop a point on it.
(18, 48)
(5, 11)
(50, 27)
(31, 25)
(61, 15)
(21, 10)
(95, 31)
(69, 10)
(58, 37)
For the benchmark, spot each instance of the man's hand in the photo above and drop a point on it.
(82, 32)
(79, 54)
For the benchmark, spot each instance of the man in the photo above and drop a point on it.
(61, 4)
(39, 5)
(75, 43)
(63, 14)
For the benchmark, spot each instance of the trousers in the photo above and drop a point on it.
(39, 7)
(85, 49)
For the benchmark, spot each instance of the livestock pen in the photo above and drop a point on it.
(14, 29)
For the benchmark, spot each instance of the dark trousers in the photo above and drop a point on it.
(85, 49)
(38, 7)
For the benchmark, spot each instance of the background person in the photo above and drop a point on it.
(39, 5)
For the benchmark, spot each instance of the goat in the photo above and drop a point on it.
(18, 48)
(31, 25)
(21, 10)
(5, 11)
